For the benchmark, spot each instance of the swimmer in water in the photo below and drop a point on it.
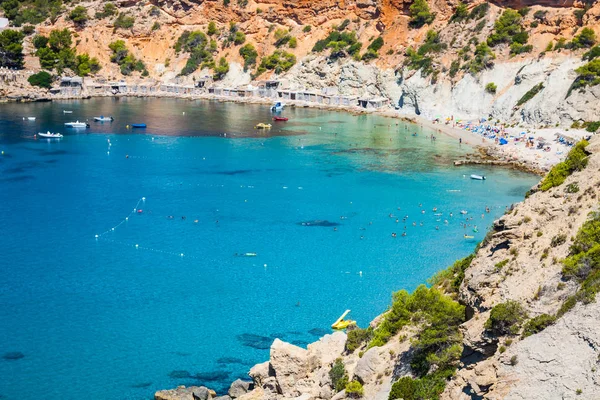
(450, 215)
(422, 211)
(183, 217)
(394, 234)
(335, 229)
(361, 237)
(397, 220)
(420, 204)
(195, 221)
(403, 233)
(414, 224)
(420, 223)
(437, 228)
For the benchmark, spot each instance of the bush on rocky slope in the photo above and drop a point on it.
(506, 318)
(576, 161)
(11, 49)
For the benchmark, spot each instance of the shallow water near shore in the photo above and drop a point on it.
(240, 239)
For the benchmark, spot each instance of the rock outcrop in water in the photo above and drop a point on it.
(530, 323)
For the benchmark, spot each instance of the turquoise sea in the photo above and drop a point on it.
(163, 299)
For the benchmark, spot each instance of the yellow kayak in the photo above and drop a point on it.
(262, 126)
(342, 323)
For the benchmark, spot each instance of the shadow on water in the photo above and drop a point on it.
(319, 332)
(318, 222)
(19, 178)
(255, 341)
(13, 355)
(141, 385)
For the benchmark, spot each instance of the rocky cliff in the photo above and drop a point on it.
(450, 78)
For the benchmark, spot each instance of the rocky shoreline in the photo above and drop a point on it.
(517, 266)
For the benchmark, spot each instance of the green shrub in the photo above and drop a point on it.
(249, 54)
(420, 14)
(196, 44)
(501, 264)
(123, 21)
(454, 68)
(585, 39)
(307, 29)
(530, 94)
(212, 28)
(524, 11)
(592, 126)
(538, 324)
(293, 43)
(591, 54)
(461, 13)
(108, 11)
(39, 41)
(588, 75)
(479, 11)
(221, 70)
(155, 26)
(451, 278)
(127, 62)
(86, 65)
(11, 48)
(558, 240)
(518, 48)
(421, 59)
(540, 15)
(41, 79)
(357, 337)
(508, 29)
(28, 29)
(576, 160)
(154, 11)
(491, 88)
(354, 390)
(483, 59)
(339, 43)
(280, 61)
(79, 15)
(506, 318)
(338, 375)
(376, 44)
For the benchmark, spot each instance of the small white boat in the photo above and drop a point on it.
(67, 112)
(30, 118)
(278, 106)
(478, 177)
(102, 118)
(464, 212)
(77, 124)
(50, 135)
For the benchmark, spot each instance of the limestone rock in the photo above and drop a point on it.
(184, 393)
(289, 363)
(370, 365)
(239, 387)
(259, 373)
(326, 350)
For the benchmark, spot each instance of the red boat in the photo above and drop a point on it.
(280, 119)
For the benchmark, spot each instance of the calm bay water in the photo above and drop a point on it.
(103, 319)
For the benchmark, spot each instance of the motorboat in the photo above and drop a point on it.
(478, 177)
(464, 212)
(30, 118)
(136, 126)
(77, 124)
(278, 106)
(50, 135)
(281, 119)
(262, 126)
(102, 118)
(67, 112)
(342, 323)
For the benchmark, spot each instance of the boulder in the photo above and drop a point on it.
(326, 350)
(184, 393)
(259, 373)
(226, 397)
(289, 364)
(370, 365)
(239, 388)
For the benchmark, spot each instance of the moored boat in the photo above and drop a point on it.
(478, 177)
(278, 106)
(31, 118)
(102, 118)
(137, 126)
(77, 124)
(262, 126)
(50, 135)
(67, 112)
(283, 119)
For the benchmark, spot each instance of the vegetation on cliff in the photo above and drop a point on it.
(127, 62)
(11, 49)
(576, 161)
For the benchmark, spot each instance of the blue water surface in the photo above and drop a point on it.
(162, 299)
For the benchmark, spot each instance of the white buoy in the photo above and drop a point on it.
(137, 245)
(265, 265)
(143, 199)
(126, 218)
(96, 236)
(360, 273)
(112, 229)
(108, 152)
(181, 254)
